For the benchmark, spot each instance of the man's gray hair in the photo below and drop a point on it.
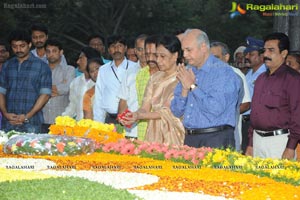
(224, 47)
(201, 38)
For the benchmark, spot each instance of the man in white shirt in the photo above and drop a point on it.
(221, 51)
(254, 57)
(80, 84)
(109, 80)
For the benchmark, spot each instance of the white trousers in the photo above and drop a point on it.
(269, 147)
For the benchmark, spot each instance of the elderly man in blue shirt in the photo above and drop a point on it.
(25, 87)
(207, 95)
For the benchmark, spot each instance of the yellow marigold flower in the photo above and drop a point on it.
(87, 128)
(240, 161)
(65, 121)
(274, 173)
(72, 144)
(218, 157)
(51, 140)
(14, 147)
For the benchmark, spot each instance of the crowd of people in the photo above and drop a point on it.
(173, 89)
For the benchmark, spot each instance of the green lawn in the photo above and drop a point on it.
(60, 189)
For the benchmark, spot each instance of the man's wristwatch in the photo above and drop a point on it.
(193, 86)
(26, 120)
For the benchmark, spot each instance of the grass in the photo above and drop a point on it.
(61, 189)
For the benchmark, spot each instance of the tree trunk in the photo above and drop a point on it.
(294, 27)
(281, 23)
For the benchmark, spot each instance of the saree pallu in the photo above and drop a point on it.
(159, 93)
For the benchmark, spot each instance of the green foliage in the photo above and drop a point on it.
(120, 128)
(62, 189)
(73, 21)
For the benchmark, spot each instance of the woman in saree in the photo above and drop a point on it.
(163, 126)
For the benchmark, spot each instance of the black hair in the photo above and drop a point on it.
(94, 60)
(284, 42)
(172, 43)
(152, 39)
(179, 31)
(131, 43)
(39, 27)
(116, 38)
(54, 42)
(296, 55)
(89, 52)
(19, 35)
(96, 35)
(5, 44)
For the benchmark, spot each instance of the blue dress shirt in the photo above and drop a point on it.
(214, 101)
(22, 84)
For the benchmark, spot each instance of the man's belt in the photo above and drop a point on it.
(197, 131)
(113, 116)
(246, 118)
(272, 133)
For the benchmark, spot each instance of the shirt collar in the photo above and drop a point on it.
(122, 65)
(30, 58)
(59, 66)
(208, 63)
(262, 68)
(278, 70)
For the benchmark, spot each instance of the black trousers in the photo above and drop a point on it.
(218, 139)
(245, 139)
(111, 118)
(45, 128)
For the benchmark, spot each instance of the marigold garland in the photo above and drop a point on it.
(101, 133)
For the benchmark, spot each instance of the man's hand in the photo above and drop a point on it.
(129, 118)
(249, 151)
(54, 91)
(185, 76)
(12, 118)
(122, 120)
(288, 154)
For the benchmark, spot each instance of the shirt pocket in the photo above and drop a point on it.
(273, 100)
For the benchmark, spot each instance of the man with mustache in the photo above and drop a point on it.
(132, 89)
(39, 37)
(97, 41)
(275, 111)
(25, 87)
(253, 58)
(110, 77)
(239, 59)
